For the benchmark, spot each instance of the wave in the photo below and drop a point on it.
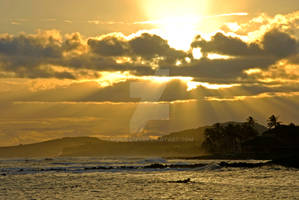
(115, 165)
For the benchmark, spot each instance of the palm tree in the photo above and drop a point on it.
(250, 121)
(273, 121)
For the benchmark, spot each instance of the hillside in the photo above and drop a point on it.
(197, 135)
(186, 135)
(50, 148)
(137, 149)
(85, 146)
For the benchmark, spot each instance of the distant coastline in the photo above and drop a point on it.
(226, 141)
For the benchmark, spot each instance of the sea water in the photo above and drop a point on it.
(133, 178)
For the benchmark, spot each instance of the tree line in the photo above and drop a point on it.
(229, 138)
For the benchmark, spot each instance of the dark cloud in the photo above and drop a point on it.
(274, 43)
(221, 70)
(274, 46)
(279, 44)
(150, 46)
(32, 67)
(73, 42)
(109, 46)
(146, 46)
(30, 46)
(28, 56)
(100, 63)
(226, 45)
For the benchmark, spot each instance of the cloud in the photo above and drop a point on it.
(109, 46)
(274, 43)
(258, 26)
(151, 46)
(29, 55)
(48, 54)
(146, 46)
(29, 46)
(221, 70)
(226, 45)
(274, 46)
(279, 44)
(72, 42)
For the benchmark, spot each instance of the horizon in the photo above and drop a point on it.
(143, 68)
(155, 139)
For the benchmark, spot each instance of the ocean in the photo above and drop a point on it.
(143, 178)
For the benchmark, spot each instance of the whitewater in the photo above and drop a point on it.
(143, 178)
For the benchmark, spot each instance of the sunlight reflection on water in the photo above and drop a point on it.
(206, 183)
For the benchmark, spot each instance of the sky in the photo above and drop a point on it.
(139, 69)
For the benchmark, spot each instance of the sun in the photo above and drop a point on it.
(179, 31)
(175, 20)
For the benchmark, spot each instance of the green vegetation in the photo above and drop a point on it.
(228, 138)
(243, 140)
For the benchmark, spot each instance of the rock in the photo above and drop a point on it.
(188, 180)
(155, 166)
